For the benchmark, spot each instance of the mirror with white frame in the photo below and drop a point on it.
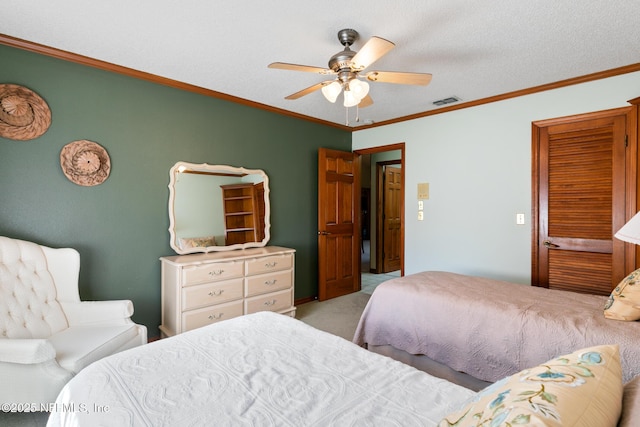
(217, 208)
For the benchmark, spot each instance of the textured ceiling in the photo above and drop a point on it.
(474, 49)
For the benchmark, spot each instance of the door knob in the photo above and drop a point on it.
(323, 233)
(549, 244)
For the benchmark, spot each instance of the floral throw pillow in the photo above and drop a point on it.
(580, 389)
(624, 301)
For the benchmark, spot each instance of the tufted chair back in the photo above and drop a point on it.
(28, 304)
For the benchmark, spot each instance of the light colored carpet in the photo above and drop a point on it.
(338, 316)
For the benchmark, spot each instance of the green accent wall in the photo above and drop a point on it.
(120, 226)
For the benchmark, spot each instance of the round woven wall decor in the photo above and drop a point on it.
(85, 162)
(24, 114)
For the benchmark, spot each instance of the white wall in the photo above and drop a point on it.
(478, 164)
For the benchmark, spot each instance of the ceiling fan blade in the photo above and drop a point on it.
(373, 50)
(308, 90)
(296, 67)
(421, 79)
(366, 102)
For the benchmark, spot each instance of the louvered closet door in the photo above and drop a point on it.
(581, 204)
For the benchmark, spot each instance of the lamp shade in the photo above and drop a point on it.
(359, 88)
(331, 91)
(349, 99)
(630, 232)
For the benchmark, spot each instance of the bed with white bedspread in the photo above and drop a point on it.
(262, 369)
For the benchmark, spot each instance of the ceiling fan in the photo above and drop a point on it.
(347, 65)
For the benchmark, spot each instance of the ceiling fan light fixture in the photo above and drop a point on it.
(350, 100)
(331, 91)
(359, 88)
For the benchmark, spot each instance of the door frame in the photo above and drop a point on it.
(391, 147)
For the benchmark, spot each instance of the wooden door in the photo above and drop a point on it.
(391, 220)
(579, 202)
(338, 224)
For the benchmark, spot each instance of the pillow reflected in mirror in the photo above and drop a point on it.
(197, 242)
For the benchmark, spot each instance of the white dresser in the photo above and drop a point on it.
(200, 289)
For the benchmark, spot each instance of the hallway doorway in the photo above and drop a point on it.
(372, 216)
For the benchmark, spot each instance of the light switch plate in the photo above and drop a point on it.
(420, 205)
(520, 218)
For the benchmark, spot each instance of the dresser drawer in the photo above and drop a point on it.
(275, 301)
(211, 293)
(193, 275)
(264, 283)
(269, 263)
(205, 316)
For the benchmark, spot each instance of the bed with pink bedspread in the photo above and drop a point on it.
(487, 328)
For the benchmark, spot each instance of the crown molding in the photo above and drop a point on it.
(95, 63)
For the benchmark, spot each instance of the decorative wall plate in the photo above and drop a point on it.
(24, 114)
(85, 162)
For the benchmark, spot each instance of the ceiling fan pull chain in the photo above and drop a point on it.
(346, 110)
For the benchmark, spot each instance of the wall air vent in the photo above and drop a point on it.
(446, 101)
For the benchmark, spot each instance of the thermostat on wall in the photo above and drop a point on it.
(423, 191)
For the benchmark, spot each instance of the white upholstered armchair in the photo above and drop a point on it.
(47, 334)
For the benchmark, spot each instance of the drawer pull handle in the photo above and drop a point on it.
(216, 273)
(270, 282)
(216, 293)
(272, 302)
(271, 264)
(216, 316)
